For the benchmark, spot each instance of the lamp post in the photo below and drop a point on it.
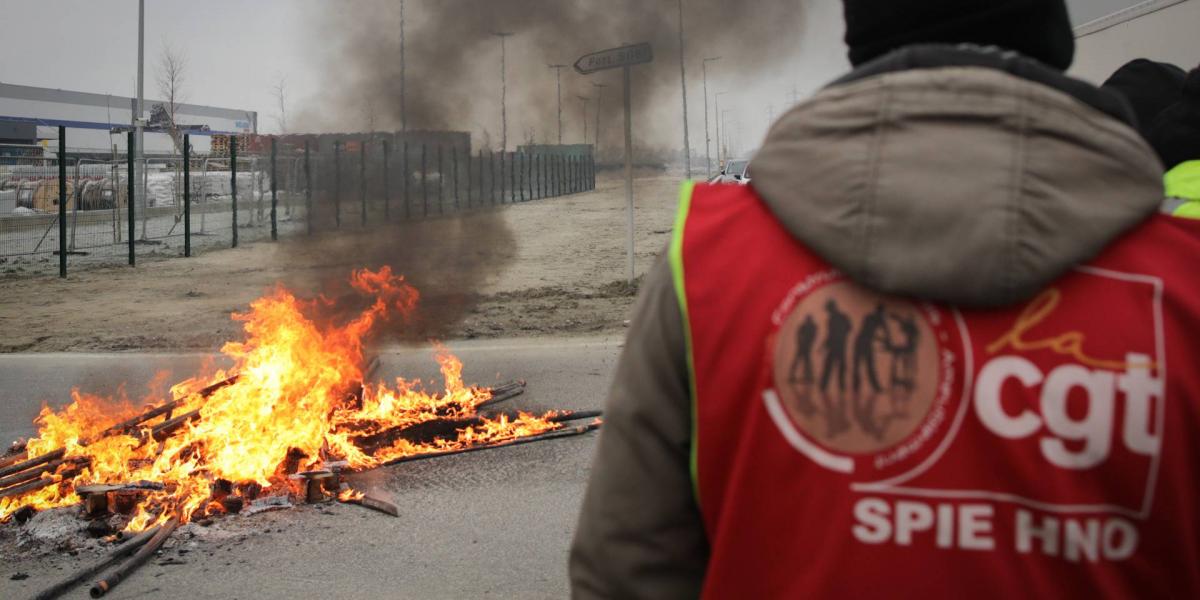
(687, 145)
(403, 82)
(717, 119)
(599, 97)
(558, 77)
(725, 126)
(707, 139)
(503, 35)
(139, 118)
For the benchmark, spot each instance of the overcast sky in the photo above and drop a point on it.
(236, 50)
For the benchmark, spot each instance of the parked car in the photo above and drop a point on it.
(736, 171)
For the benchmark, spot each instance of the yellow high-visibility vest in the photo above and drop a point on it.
(1183, 190)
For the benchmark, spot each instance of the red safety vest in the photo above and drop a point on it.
(850, 444)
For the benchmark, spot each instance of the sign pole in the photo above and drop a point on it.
(623, 58)
(629, 170)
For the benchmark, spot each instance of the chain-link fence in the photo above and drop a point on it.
(193, 203)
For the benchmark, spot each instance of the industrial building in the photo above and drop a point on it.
(96, 123)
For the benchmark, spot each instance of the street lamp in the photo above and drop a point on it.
(599, 97)
(558, 76)
(584, 100)
(403, 83)
(717, 119)
(503, 89)
(707, 139)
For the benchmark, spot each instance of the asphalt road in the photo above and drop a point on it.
(491, 524)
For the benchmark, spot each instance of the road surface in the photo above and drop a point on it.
(496, 523)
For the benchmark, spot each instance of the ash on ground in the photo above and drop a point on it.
(62, 533)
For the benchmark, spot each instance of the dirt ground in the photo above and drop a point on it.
(545, 267)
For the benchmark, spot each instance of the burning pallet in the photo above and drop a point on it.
(275, 427)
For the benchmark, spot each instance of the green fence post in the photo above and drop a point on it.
(424, 181)
(337, 184)
(454, 167)
(187, 195)
(441, 181)
(470, 180)
(362, 180)
(129, 200)
(62, 201)
(308, 209)
(406, 175)
(233, 184)
(274, 192)
(387, 184)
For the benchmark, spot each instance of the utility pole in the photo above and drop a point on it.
(707, 139)
(687, 145)
(139, 118)
(403, 82)
(558, 75)
(503, 89)
(599, 97)
(584, 100)
(717, 118)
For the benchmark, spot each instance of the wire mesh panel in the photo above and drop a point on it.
(29, 206)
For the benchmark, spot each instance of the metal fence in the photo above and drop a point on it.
(78, 214)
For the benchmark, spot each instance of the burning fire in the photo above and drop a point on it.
(295, 400)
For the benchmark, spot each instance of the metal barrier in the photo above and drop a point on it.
(193, 203)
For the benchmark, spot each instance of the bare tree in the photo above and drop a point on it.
(172, 74)
(172, 71)
(280, 93)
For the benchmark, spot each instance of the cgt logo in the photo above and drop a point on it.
(1093, 428)
(1079, 404)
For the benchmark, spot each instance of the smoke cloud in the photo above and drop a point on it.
(453, 64)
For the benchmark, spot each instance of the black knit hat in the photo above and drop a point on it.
(1149, 86)
(1175, 132)
(1039, 29)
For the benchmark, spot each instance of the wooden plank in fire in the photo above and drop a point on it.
(41, 464)
(441, 428)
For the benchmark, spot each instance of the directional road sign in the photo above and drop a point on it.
(615, 58)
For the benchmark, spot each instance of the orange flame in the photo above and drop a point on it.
(350, 495)
(297, 394)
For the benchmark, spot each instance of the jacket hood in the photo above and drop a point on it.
(957, 182)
